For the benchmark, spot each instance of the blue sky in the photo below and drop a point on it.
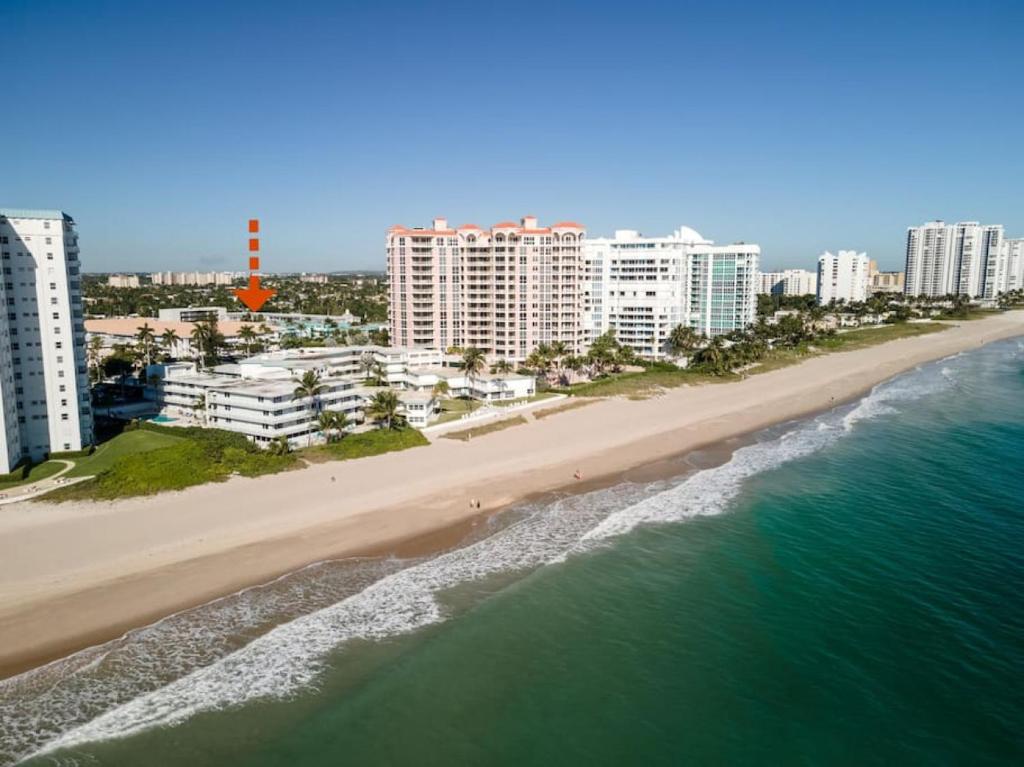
(161, 127)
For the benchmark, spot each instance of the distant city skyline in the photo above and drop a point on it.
(803, 129)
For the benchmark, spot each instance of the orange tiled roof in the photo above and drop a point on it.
(567, 225)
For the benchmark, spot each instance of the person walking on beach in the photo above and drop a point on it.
(578, 475)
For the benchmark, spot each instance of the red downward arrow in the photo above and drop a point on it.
(254, 296)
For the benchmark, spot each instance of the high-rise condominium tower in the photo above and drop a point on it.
(503, 290)
(642, 287)
(44, 388)
(789, 282)
(843, 276)
(953, 258)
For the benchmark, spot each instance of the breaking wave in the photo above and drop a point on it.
(273, 641)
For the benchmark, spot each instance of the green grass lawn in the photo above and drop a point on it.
(154, 459)
(365, 444)
(641, 384)
(860, 339)
(36, 473)
(466, 434)
(454, 409)
(125, 444)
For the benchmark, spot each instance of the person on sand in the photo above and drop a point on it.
(578, 475)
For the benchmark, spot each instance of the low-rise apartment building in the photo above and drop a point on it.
(256, 397)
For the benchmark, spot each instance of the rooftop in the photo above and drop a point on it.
(129, 326)
(58, 215)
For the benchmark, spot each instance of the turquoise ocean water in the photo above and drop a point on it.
(846, 590)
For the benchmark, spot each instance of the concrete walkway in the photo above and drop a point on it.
(36, 489)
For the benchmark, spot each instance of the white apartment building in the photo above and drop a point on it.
(504, 290)
(194, 278)
(123, 281)
(642, 287)
(843, 276)
(789, 282)
(1014, 270)
(1004, 269)
(193, 314)
(954, 259)
(44, 389)
(256, 396)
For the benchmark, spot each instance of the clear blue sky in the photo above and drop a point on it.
(801, 126)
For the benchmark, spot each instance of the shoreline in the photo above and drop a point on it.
(79, 574)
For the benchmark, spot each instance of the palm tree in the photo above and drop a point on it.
(333, 424)
(199, 408)
(280, 446)
(683, 340)
(714, 357)
(384, 409)
(310, 387)
(95, 348)
(145, 336)
(169, 338)
(248, 335)
(473, 361)
(198, 341)
(502, 366)
(557, 354)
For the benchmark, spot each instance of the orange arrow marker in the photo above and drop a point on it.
(254, 296)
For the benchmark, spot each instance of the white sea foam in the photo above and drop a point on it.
(289, 658)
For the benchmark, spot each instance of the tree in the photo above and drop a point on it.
(207, 340)
(145, 336)
(441, 389)
(502, 366)
(94, 350)
(280, 446)
(248, 335)
(473, 362)
(333, 424)
(168, 339)
(383, 409)
(119, 367)
(682, 340)
(310, 387)
(713, 357)
(199, 408)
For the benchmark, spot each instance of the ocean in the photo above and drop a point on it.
(843, 590)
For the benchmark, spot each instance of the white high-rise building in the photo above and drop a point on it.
(953, 259)
(123, 281)
(642, 287)
(44, 387)
(1014, 254)
(789, 282)
(843, 276)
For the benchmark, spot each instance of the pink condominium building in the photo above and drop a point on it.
(503, 290)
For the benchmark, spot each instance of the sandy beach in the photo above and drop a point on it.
(72, 575)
